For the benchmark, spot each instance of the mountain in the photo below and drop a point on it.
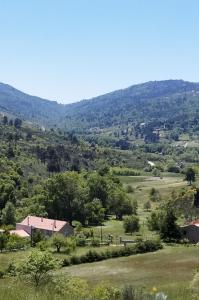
(147, 102)
(157, 102)
(28, 107)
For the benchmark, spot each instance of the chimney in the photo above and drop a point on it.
(54, 223)
(41, 219)
(28, 221)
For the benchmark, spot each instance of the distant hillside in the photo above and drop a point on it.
(147, 102)
(174, 102)
(28, 107)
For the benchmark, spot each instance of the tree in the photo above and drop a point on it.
(154, 195)
(156, 172)
(99, 188)
(169, 230)
(131, 224)
(59, 241)
(154, 220)
(120, 204)
(183, 203)
(10, 152)
(8, 214)
(190, 175)
(147, 205)
(16, 242)
(37, 236)
(37, 267)
(5, 120)
(94, 212)
(66, 195)
(3, 240)
(17, 123)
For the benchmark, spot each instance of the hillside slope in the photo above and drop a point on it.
(157, 102)
(28, 107)
(151, 101)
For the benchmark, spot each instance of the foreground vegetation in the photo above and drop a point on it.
(112, 201)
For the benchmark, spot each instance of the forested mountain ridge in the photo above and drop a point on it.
(159, 102)
(38, 110)
(147, 102)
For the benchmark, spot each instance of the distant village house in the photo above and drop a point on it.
(46, 226)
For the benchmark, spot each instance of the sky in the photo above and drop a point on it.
(68, 50)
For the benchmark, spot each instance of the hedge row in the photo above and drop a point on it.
(93, 255)
(124, 171)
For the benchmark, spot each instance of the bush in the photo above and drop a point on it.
(42, 245)
(16, 242)
(93, 256)
(119, 171)
(148, 246)
(2, 273)
(81, 242)
(131, 224)
(130, 293)
(129, 189)
(147, 205)
(95, 242)
(153, 222)
(104, 291)
(66, 262)
(75, 260)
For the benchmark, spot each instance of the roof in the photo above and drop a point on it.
(196, 223)
(44, 223)
(20, 232)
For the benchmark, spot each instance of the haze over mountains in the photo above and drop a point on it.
(155, 101)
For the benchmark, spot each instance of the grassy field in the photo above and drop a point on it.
(168, 270)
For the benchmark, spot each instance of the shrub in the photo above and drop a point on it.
(71, 288)
(75, 260)
(92, 255)
(81, 242)
(147, 205)
(124, 171)
(95, 243)
(154, 221)
(131, 224)
(130, 293)
(129, 189)
(104, 291)
(2, 273)
(148, 246)
(16, 242)
(42, 245)
(66, 262)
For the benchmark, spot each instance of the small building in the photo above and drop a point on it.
(46, 226)
(191, 231)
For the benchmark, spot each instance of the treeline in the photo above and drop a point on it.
(87, 197)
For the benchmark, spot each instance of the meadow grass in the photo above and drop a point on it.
(169, 270)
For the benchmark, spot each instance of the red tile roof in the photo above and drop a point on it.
(43, 223)
(20, 232)
(196, 223)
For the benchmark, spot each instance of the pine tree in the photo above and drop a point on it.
(169, 230)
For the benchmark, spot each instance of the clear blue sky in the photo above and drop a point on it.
(69, 50)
